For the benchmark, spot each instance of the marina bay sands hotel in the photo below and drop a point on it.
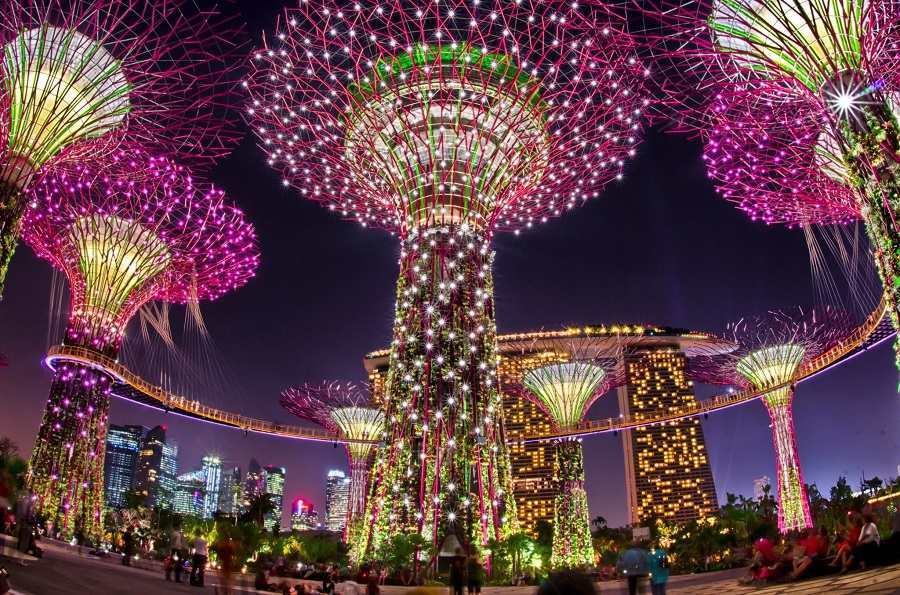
(667, 469)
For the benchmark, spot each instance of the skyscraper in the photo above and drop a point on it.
(532, 463)
(168, 475)
(231, 491)
(123, 443)
(337, 497)
(303, 516)
(149, 468)
(212, 475)
(273, 480)
(189, 495)
(254, 484)
(667, 470)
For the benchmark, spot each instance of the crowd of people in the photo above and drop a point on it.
(815, 552)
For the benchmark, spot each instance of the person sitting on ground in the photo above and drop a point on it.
(845, 548)
(327, 583)
(815, 546)
(763, 562)
(567, 583)
(866, 549)
(890, 546)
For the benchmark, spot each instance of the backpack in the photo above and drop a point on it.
(662, 560)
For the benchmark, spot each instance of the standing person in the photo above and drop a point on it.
(658, 560)
(127, 546)
(178, 546)
(225, 550)
(24, 521)
(633, 565)
(475, 575)
(198, 562)
(457, 573)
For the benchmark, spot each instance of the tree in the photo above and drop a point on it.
(401, 551)
(598, 523)
(544, 533)
(871, 486)
(259, 507)
(12, 471)
(8, 448)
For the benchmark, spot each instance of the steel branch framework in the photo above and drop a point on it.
(771, 350)
(125, 231)
(565, 391)
(444, 122)
(346, 410)
(161, 73)
(823, 75)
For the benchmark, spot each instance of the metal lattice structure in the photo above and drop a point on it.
(124, 231)
(772, 348)
(565, 391)
(79, 76)
(445, 122)
(346, 410)
(822, 77)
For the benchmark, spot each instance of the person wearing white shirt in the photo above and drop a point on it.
(866, 550)
(198, 562)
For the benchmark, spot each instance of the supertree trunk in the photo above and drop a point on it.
(872, 139)
(444, 469)
(66, 470)
(793, 504)
(572, 543)
(359, 482)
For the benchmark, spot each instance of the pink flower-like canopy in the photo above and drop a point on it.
(405, 114)
(779, 163)
(136, 228)
(777, 342)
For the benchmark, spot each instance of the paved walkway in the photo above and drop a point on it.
(62, 572)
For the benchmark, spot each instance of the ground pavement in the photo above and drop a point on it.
(63, 572)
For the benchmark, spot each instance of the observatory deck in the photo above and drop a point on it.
(127, 385)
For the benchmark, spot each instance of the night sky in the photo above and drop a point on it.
(659, 247)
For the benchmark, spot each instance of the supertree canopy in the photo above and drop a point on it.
(159, 72)
(124, 231)
(822, 75)
(772, 348)
(444, 122)
(565, 390)
(346, 410)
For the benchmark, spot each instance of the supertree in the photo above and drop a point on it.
(771, 349)
(345, 409)
(821, 76)
(587, 367)
(124, 231)
(443, 123)
(160, 72)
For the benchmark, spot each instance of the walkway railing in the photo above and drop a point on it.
(182, 405)
(854, 342)
(155, 396)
